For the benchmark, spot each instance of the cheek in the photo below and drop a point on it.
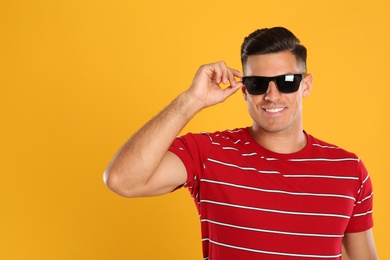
(299, 96)
(253, 103)
(298, 103)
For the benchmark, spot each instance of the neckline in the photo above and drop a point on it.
(270, 153)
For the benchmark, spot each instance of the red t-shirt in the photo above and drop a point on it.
(257, 204)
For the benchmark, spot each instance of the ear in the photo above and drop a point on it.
(307, 83)
(244, 93)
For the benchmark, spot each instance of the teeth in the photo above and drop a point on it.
(273, 110)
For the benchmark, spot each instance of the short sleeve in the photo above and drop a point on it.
(361, 218)
(192, 149)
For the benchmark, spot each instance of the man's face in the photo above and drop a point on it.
(275, 111)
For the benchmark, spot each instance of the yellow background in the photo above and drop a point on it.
(78, 77)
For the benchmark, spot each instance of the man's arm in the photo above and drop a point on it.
(359, 246)
(144, 166)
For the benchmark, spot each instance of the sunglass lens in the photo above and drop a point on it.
(256, 85)
(288, 83)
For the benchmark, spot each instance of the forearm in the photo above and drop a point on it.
(359, 246)
(143, 167)
(138, 159)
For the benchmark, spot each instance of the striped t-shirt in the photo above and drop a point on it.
(257, 204)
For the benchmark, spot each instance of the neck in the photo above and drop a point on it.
(280, 142)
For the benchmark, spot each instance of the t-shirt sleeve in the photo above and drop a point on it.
(361, 218)
(192, 149)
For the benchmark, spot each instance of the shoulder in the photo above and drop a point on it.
(218, 139)
(212, 138)
(338, 161)
(321, 147)
(229, 135)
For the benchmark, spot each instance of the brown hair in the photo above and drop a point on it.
(273, 40)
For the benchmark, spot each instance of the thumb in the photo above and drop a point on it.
(232, 89)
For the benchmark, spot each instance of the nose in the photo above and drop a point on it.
(272, 94)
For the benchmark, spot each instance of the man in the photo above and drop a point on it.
(269, 191)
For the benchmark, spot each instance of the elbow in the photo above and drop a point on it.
(117, 184)
(108, 179)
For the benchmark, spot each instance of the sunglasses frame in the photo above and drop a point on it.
(279, 81)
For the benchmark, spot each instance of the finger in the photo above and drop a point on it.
(233, 74)
(237, 73)
(231, 77)
(224, 72)
(218, 73)
(233, 89)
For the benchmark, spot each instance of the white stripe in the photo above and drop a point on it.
(269, 159)
(323, 159)
(249, 154)
(234, 131)
(215, 143)
(229, 148)
(366, 198)
(319, 176)
(279, 191)
(269, 172)
(363, 214)
(241, 167)
(361, 187)
(205, 133)
(268, 252)
(275, 211)
(366, 179)
(232, 165)
(236, 142)
(326, 146)
(270, 231)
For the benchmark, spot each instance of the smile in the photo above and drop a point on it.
(274, 110)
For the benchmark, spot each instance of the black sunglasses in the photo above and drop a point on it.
(258, 85)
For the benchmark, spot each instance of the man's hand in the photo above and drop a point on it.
(206, 85)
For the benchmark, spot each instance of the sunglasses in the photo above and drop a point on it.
(258, 85)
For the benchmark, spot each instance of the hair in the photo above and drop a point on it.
(273, 40)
